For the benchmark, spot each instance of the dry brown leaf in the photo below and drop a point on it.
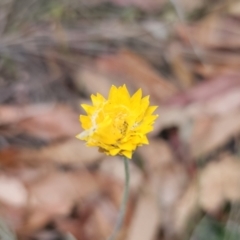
(104, 216)
(58, 122)
(57, 192)
(114, 167)
(71, 226)
(234, 8)
(14, 114)
(53, 196)
(219, 183)
(219, 118)
(186, 209)
(151, 5)
(225, 103)
(206, 90)
(34, 221)
(210, 107)
(217, 64)
(155, 155)
(190, 6)
(96, 196)
(12, 216)
(92, 82)
(170, 184)
(12, 191)
(179, 66)
(169, 117)
(216, 96)
(218, 31)
(204, 46)
(71, 153)
(5, 8)
(146, 218)
(133, 70)
(124, 68)
(219, 131)
(49, 122)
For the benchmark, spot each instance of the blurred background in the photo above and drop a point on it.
(185, 185)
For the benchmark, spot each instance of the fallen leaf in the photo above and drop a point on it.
(206, 90)
(180, 67)
(187, 209)
(218, 31)
(114, 167)
(134, 71)
(48, 122)
(67, 153)
(220, 131)
(57, 192)
(12, 191)
(155, 155)
(92, 82)
(219, 183)
(150, 6)
(13, 114)
(146, 209)
(58, 122)
(105, 217)
(234, 9)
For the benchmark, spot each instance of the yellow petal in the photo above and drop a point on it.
(149, 119)
(127, 154)
(145, 103)
(114, 151)
(112, 93)
(150, 110)
(136, 98)
(88, 109)
(95, 100)
(119, 124)
(86, 122)
(125, 92)
(144, 140)
(100, 98)
(126, 146)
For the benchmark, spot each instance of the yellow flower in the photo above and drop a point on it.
(119, 124)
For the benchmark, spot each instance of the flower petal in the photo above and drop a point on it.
(119, 124)
(127, 154)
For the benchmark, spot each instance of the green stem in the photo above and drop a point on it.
(124, 202)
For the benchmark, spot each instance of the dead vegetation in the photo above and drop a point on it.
(185, 54)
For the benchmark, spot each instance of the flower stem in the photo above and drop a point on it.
(123, 203)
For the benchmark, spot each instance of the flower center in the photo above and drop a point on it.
(120, 123)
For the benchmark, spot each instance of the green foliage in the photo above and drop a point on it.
(211, 229)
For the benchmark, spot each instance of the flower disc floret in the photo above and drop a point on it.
(119, 124)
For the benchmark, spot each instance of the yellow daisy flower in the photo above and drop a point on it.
(119, 124)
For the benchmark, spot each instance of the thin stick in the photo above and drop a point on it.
(124, 201)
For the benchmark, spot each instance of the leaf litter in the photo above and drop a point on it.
(53, 56)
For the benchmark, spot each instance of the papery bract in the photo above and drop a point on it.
(119, 124)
